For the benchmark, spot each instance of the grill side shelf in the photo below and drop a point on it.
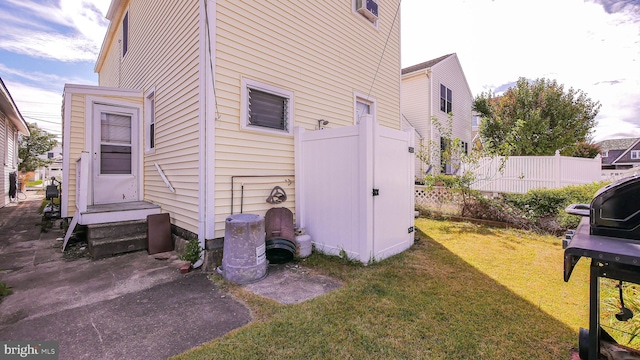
(600, 248)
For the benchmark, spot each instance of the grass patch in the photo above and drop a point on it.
(5, 290)
(33, 183)
(462, 292)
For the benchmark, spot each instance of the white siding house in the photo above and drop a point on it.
(11, 125)
(433, 89)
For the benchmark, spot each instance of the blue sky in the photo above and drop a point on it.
(591, 45)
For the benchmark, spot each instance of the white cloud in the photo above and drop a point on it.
(39, 77)
(50, 46)
(38, 105)
(71, 30)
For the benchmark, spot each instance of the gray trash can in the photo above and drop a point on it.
(244, 257)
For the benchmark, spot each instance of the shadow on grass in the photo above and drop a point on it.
(426, 303)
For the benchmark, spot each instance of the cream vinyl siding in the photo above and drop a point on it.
(416, 96)
(76, 145)
(323, 54)
(449, 73)
(163, 53)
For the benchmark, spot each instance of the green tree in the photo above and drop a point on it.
(465, 166)
(37, 143)
(535, 118)
(583, 150)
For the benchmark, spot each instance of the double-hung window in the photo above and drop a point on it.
(635, 154)
(266, 108)
(125, 34)
(150, 120)
(446, 99)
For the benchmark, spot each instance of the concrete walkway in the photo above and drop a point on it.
(131, 306)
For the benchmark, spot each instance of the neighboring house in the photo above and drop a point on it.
(11, 125)
(54, 169)
(195, 111)
(437, 88)
(618, 156)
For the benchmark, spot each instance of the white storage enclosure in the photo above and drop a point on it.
(355, 189)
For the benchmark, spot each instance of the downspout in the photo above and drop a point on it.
(202, 142)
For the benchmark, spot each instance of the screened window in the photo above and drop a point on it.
(446, 99)
(115, 144)
(125, 34)
(267, 108)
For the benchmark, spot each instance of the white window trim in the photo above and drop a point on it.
(605, 154)
(148, 116)
(373, 24)
(244, 108)
(635, 154)
(360, 97)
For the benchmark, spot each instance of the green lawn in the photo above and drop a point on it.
(462, 292)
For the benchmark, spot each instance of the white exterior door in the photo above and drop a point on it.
(393, 207)
(115, 154)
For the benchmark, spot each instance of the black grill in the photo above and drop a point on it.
(608, 234)
(615, 210)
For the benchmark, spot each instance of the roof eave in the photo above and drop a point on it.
(113, 10)
(9, 107)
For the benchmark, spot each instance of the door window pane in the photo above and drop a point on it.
(115, 144)
(115, 159)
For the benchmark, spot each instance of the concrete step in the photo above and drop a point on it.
(110, 239)
(116, 229)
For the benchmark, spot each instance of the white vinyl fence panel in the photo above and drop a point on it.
(519, 174)
(617, 174)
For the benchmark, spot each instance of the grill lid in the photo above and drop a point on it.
(615, 209)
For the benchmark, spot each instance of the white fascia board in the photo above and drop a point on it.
(102, 90)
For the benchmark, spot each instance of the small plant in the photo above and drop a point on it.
(346, 259)
(45, 224)
(192, 251)
(5, 290)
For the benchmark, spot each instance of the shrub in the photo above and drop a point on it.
(539, 209)
(542, 203)
(192, 251)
